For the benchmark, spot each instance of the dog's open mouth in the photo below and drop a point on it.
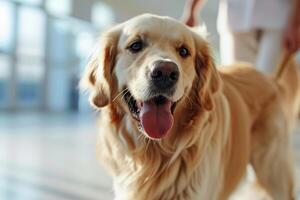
(154, 115)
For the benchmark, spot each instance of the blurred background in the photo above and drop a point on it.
(47, 129)
(44, 45)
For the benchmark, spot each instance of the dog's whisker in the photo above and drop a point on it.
(148, 142)
(120, 93)
(127, 91)
(140, 136)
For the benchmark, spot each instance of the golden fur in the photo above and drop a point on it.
(223, 120)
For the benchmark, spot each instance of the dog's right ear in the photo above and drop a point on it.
(98, 77)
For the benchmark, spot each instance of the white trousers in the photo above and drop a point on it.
(262, 48)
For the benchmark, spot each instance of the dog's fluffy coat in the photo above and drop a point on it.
(223, 119)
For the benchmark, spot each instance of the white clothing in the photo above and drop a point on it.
(245, 15)
(262, 48)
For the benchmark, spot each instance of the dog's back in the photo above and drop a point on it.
(257, 89)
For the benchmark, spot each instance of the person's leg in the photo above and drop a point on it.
(270, 48)
(238, 47)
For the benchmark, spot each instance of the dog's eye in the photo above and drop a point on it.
(135, 47)
(183, 52)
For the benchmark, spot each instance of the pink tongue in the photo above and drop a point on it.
(157, 120)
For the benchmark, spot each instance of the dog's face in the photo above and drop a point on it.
(149, 64)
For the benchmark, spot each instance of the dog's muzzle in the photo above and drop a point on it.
(163, 77)
(155, 112)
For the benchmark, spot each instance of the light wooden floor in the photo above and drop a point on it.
(52, 157)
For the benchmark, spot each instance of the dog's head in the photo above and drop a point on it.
(149, 65)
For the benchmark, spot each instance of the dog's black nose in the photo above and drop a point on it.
(164, 74)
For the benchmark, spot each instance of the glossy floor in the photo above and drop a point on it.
(52, 157)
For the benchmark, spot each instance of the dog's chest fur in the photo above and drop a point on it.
(200, 185)
(144, 169)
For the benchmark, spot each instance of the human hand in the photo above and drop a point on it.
(291, 38)
(190, 13)
(190, 20)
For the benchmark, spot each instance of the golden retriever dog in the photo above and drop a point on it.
(172, 126)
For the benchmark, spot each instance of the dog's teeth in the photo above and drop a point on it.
(139, 104)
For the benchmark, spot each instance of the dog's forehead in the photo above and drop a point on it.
(155, 25)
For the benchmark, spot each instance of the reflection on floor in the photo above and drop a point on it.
(52, 157)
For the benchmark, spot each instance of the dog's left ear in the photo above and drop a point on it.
(208, 80)
(98, 77)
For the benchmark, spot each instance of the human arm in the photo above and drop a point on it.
(190, 12)
(291, 34)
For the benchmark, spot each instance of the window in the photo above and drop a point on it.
(102, 15)
(26, 27)
(30, 56)
(85, 41)
(6, 25)
(31, 2)
(30, 74)
(4, 80)
(30, 70)
(31, 35)
(59, 7)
